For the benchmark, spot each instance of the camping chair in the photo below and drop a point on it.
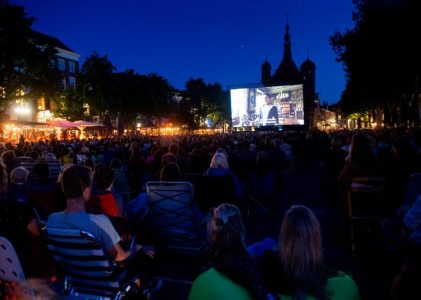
(11, 270)
(87, 269)
(173, 215)
(364, 204)
(175, 222)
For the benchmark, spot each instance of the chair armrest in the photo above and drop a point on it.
(133, 253)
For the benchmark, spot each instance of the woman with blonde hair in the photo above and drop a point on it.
(221, 185)
(219, 161)
(298, 268)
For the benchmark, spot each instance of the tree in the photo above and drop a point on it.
(157, 96)
(221, 105)
(201, 101)
(70, 106)
(97, 71)
(126, 95)
(380, 55)
(149, 96)
(23, 63)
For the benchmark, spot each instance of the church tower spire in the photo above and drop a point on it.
(287, 72)
(266, 73)
(287, 43)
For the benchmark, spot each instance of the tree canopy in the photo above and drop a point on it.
(97, 74)
(26, 65)
(380, 55)
(203, 101)
(23, 63)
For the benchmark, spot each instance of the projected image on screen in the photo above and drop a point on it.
(267, 106)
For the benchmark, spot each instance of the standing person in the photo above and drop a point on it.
(268, 114)
(297, 269)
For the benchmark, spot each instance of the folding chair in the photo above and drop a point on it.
(175, 222)
(364, 204)
(173, 215)
(87, 269)
(11, 269)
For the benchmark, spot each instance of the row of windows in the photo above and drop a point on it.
(71, 83)
(61, 65)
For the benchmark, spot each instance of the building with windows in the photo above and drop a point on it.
(66, 61)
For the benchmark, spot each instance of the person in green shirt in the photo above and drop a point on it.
(297, 269)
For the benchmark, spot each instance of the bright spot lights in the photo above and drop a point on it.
(22, 110)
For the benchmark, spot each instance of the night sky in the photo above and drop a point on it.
(223, 41)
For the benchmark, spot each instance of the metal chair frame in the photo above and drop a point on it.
(373, 188)
(87, 269)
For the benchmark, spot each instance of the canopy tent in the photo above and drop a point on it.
(60, 123)
(84, 124)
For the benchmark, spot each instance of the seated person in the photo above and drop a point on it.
(18, 188)
(361, 162)
(228, 252)
(41, 190)
(265, 181)
(103, 180)
(219, 167)
(76, 185)
(18, 220)
(412, 222)
(138, 206)
(121, 184)
(297, 269)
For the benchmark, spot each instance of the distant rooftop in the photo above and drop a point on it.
(44, 39)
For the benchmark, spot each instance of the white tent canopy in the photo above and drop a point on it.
(83, 124)
(60, 123)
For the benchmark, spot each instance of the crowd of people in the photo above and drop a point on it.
(99, 186)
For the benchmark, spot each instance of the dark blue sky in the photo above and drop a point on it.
(223, 41)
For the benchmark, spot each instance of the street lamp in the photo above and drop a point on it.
(84, 87)
(86, 105)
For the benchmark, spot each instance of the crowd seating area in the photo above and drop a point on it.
(161, 192)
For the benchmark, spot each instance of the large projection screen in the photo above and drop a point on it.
(267, 106)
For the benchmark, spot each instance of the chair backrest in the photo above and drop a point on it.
(85, 264)
(365, 197)
(215, 190)
(10, 267)
(173, 215)
(11, 270)
(213, 285)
